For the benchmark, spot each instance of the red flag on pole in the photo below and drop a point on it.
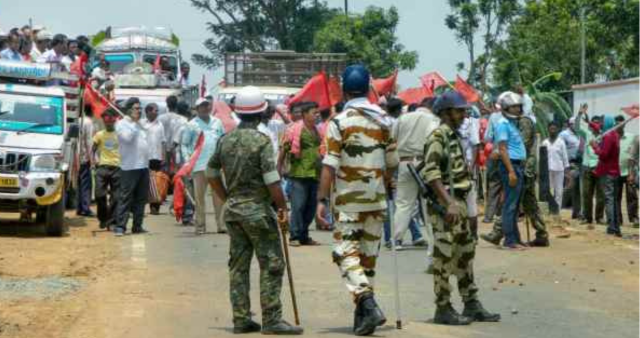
(387, 85)
(203, 87)
(433, 80)
(414, 95)
(178, 183)
(335, 91)
(222, 111)
(97, 102)
(315, 90)
(156, 64)
(632, 110)
(466, 90)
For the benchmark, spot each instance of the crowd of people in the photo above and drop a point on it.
(349, 169)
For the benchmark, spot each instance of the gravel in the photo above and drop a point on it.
(37, 288)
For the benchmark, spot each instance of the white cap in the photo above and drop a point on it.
(44, 35)
(201, 101)
(572, 120)
(250, 101)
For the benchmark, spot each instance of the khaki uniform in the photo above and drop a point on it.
(246, 157)
(454, 244)
(359, 149)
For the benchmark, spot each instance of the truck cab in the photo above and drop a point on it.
(38, 138)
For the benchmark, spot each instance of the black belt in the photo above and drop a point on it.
(517, 162)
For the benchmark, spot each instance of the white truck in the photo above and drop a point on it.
(38, 142)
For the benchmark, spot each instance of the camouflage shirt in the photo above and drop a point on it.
(246, 157)
(442, 146)
(359, 148)
(528, 132)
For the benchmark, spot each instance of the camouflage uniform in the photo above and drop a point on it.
(246, 157)
(359, 149)
(455, 247)
(528, 201)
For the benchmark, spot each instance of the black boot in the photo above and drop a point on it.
(540, 242)
(474, 310)
(492, 237)
(247, 327)
(372, 316)
(447, 315)
(282, 328)
(357, 317)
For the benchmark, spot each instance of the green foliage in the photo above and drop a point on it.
(489, 18)
(546, 38)
(98, 38)
(367, 38)
(175, 39)
(257, 25)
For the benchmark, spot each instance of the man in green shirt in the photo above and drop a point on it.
(301, 150)
(589, 163)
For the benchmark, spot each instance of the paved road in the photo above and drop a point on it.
(172, 284)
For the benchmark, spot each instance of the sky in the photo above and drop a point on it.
(421, 26)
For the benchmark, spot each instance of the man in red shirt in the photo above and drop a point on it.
(608, 171)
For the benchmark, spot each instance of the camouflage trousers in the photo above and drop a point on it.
(453, 254)
(262, 237)
(356, 247)
(529, 204)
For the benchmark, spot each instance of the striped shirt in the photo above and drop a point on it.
(443, 145)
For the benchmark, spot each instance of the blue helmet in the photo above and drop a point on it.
(450, 99)
(355, 79)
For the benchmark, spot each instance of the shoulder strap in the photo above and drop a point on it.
(447, 154)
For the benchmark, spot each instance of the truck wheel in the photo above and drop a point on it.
(55, 224)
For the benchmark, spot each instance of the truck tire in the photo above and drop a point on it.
(55, 224)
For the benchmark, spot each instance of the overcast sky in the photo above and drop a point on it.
(421, 26)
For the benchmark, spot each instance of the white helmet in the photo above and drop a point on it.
(508, 99)
(250, 101)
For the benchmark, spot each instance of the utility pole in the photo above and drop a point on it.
(346, 7)
(583, 52)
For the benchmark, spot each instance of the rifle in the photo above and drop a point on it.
(425, 190)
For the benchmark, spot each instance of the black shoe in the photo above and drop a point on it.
(139, 231)
(474, 310)
(282, 328)
(103, 225)
(540, 242)
(492, 238)
(248, 327)
(447, 315)
(372, 316)
(358, 314)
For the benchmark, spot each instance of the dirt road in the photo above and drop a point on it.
(172, 284)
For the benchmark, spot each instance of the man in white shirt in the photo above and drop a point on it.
(558, 162)
(12, 52)
(410, 132)
(43, 38)
(469, 133)
(86, 162)
(155, 140)
(134, 165)
(167, 121)
(55, 54)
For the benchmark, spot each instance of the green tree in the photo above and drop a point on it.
(368, 38)
(546, 39)
(489, 18)
(258, 25)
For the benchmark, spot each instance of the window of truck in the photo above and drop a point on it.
(32, 113)
(172, 61)
(117, 62)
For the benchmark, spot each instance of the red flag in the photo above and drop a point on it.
(633, 110)
(315, 90)
(97, 102)
(178, 183)
(466, 90)
(222, 111)
(373, 96)
(433, 80)
(203, 87)
(156, 64)
(335, 91)
(414, 95)
(387, 85)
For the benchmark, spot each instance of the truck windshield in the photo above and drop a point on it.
(117, 62)
(37, 114)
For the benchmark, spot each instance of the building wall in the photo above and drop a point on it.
(608, 99)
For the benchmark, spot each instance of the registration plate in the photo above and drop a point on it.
(8, 182)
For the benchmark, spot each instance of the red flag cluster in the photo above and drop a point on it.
(385, 86)
(320, 89)
(466, 90)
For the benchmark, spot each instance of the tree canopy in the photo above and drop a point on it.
(258, 25)
(368, 38)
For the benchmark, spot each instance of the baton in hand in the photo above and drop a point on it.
(283, 224)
